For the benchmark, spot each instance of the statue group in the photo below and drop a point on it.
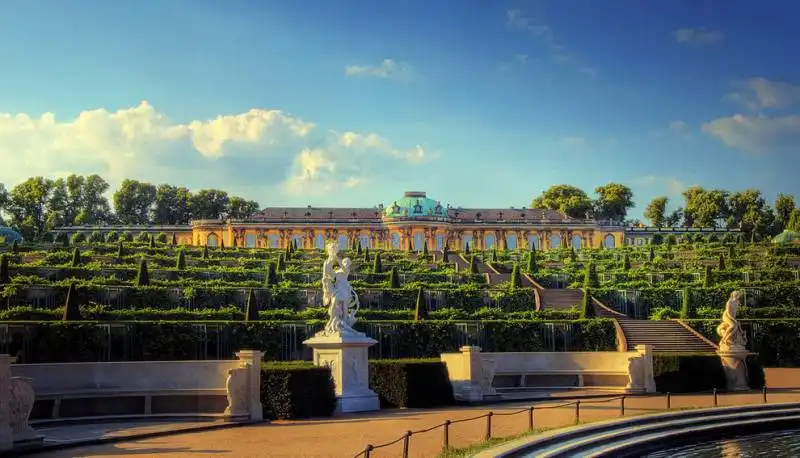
(337, 295)
(730, 331)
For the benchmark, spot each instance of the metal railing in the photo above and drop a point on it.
(405, 439)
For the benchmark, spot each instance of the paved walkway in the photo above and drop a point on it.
(346, 436)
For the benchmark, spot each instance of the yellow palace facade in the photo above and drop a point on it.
(406, 224)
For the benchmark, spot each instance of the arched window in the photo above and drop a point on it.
(364, 241)
(298, 241)
(273, 241)
(489, 241)
(250, 240)
(419, 241)
(439, 242)
(396, 241)
(319, 242)
(342, 239)
(577, 243)
(555, 241)
(512, 242)
(533, 241)
(466, 239)
(213, 240)
(608, 241)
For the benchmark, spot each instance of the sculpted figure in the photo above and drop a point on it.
(730, 331)
(340, 298)
(236, 387)
(21, 405)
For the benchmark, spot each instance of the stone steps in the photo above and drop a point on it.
(664, 335)
(560, 299)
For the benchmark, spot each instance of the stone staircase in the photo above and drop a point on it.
(560, 299)
(664, 335)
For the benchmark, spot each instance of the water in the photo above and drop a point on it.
(778, 444)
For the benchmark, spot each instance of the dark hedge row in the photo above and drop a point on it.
(691, 373)
(777, 342)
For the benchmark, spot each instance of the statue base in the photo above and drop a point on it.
(346, 355)
(733, 363)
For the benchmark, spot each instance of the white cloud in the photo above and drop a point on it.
(677, 126)
(246, 152)
(557, 51)
(755, 134)
(697, 36)
(387, 69)
(671, 186)
(761, 93)
(575, 141)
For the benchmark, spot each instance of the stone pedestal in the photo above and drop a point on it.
(251, 359)
(346, 355)
(471, 374)
(733, 362)
(6, 436)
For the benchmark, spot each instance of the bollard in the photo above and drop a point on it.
(530, 418)
(405, 444)
(669, 400)
(368, 451)
(715, 397)
(488, 426)
(764, 394)
(622, 406)
(446, 438)
(577, 412)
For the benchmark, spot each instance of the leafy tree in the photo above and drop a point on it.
(784, 207)
(394, 279)
(613, 202)
(377, 267)
(587, 306)
(78, 237)
(794, 221)
(4, 200)
(657, 239)
(687, 311)
(675, 218)
(72, 311)
(570, 200)
(94, 208)
(656, 211)
(241, 208)
(420, 309)
(705, 208)
(516, 279)
(5, 274)
(134, 201)
(749, 211)
(252, 306)
(180, 264)
(27, 206)
(209, 204)
(171, 205)
(76, 257)
(142, 275)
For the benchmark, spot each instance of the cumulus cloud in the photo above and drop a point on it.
(755, 134)
(672, 186)
(761, 93)
(697, 36)
(387, 69)
(243, 152)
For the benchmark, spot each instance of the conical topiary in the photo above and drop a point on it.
(65, 240)
(142, 276)
(234, 243)
(590, 279)
(494, 255)
(76, 257)
(72, 311)
(466, 248)
(221, 244)
(652, 256)
(516, 279)
(721, 262)
(358, 248)
(120, 251)
(425, 248)
(473, 265)
(366, 255)
(205, 252)
(572, 255)
(180, 264)
(5, 274)
(686, 305)
(731, 251)
(587, 307)
(281, 262)
(394, 278)
(420, 309)
(272, 275)
(252, 307)
(445, 253)
(626, 262)
(174, 239)
(707, 279)
(377, 267)
(152, 242)
(532, 267)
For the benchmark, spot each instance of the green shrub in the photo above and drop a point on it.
(377, 267)
(296, 389)
(687, 311)
(71, 310)
(663, 313)
(688, 373)
(411, 383)
(142, 276)
(756, 378)
(5, 276)
(587, 306)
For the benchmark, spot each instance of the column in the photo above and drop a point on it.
(252, 358)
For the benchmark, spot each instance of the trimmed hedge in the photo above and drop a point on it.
(777, 342)
(688, 373)
(411, 383)
(296, 389)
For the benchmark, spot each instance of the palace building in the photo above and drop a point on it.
(406, 223)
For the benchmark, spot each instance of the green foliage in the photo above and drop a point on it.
(494, 255)
(532, 267)
(120, 251)
(688, 373)
(708, 278)
(252, 306)
(516, 279)
(282, 262)
(180, 263)
(5, 276)
(205, 252)
(466, 248)
(721, 262)
(152, 242)
(272, 274)
(420, 310)
(394, 278)
(71, 310)
(377, 267)
(651, 256)
(626, 262)
(687, 311)
(76, 257)
(473, 266)
(591, 279)
(587, 306)
(142, 275)
(366, 255)
(174, 241)
(296, 390)
(78, 237)
(411, 383)
(15, 247)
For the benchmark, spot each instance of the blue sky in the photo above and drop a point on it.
(480, 103)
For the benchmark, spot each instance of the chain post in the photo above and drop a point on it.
(530, 418)
(405, 443)
(764, 393)
(368, 451)
(622, 406)
(488, 426)
(577, 412)
(716, 402)
(446, 436)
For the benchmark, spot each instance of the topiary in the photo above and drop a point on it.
(252, 306)
(721, 262)
(377, 267)
(142, 275)
(420, 309)
(626, 262)
(205, 252)
(76, 257)
(272, 275)
(72, 311)
(708, 279)
(282, 262)
(394, 279)
(174, 239)
(587, 307)
(152, 243)
(516, 280)
(687, 311)
(180, 264)
(5, 275)
(590, 278)
(473, 265)
(532, 267)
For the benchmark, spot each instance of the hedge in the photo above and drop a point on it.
(48, 342)
(690, 373)
(296, 389)
(777, 342)
(411, 383)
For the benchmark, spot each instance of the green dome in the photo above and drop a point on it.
(8, 235)
(787, 237)
(415, 204)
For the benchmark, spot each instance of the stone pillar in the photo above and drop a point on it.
(346, 356)
(6, 438)
(471, 373)
(733, 362)
(646, 353)
(252, 358)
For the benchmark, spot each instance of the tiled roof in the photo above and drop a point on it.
(464, 214)
(507, 214)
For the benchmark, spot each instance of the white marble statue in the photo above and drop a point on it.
(236, 391)
(337, 294)
(730, 331)
(21, 400)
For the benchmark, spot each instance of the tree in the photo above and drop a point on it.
(570, 200)
(394, 279)
(494, 255)
(420, 309)
(134, 201)
(252, 306)
(613, 202)
(749, 212)
(4, 200)
(281, 262)
(572, 255)
(705, 208)
(656, 211)
(94, 208)
(466, 248)
(27, 206)
(445, 253)
(532, 262)
(731, 252)
(120, 251)
(366, 255)
(675, 218)
(5, 275)
(687, 311)
(376, 266)
(72, 311)
(590, 278)
(652, 255)
(142, 276)
(626, 262)
(180, 263)
(784, 206)
(174, 239)
(794, 221)
(587, 306)
(152, 242)
(516, 279)
(241, 208)
(171, 205)
(76, 257)
(205, 252)
(708, 279)
(209, 204)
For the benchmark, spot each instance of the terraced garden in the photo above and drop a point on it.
(144, 298)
